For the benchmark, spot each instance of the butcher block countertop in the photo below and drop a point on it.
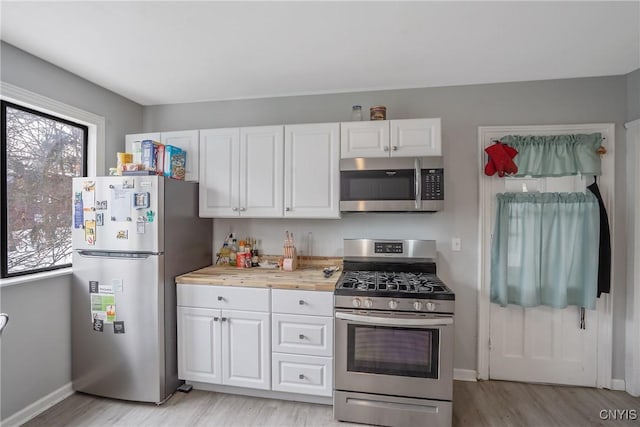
(309, 277)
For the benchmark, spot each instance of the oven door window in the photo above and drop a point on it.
(377, 185)
(397, 351)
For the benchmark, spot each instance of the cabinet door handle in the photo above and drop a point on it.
(394, 148)
(301, 302)
(386, 148)
(234, 209)
(215, 319)
(243, 209)
(288, 209)
(224, 319)
(301, 336)
(301, 376)
(220, 298)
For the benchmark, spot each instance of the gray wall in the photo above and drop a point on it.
(36, 353)
(462, 109)
(122, 116)
(633, 95)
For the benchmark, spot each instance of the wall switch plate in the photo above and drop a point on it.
(456, 244)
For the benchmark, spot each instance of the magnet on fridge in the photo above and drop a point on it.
(98, 325)
(90, 232)
(93, 286)
(141, 200)
(118, 327)
(150, 216)
(127, 184)
(122, 234)
(78, 213)
(140, 225)
(99, 219)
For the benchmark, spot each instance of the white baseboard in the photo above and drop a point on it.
(37, 407)
(465, 375)
(617, 384)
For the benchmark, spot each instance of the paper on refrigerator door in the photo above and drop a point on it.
(121, 204)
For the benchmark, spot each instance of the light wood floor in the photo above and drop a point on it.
(486, 403)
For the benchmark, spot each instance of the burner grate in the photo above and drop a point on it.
(423, 283)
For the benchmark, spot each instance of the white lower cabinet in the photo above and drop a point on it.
(302, 374)
(258, 338)
(302, 359)
(222, 346)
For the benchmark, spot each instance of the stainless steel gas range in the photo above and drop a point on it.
(393, 335)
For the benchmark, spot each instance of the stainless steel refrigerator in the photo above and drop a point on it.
(131, 237)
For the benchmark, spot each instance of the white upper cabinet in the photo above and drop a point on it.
(391, 138)
(241, 172)
(311, 171)
(364, 139)
(416, 138)
(187, 140)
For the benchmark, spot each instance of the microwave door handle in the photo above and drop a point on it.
(441, 321)
(418, 182)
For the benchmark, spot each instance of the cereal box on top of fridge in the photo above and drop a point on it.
(159, 159)
(169, 152)
(148, 154)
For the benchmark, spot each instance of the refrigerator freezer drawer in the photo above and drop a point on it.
(123, 360)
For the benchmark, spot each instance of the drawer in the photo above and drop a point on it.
(315, 303)
(311, 335)
(206, 296)
(302, 374)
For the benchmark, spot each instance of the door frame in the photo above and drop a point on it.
(604, 306)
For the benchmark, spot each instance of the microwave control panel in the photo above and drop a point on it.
(433, 184)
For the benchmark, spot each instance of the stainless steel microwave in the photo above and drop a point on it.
(404, 184)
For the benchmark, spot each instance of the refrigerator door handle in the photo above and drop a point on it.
(117, 255)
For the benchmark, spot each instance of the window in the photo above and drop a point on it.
(40, 155)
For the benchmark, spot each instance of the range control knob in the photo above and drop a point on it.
(431, 306)
(393, 304)
(368, 303)
(355, 302)
(417, 305)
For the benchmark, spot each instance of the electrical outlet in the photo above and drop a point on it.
(456, 244)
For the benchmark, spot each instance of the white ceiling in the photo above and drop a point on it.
(172, 52)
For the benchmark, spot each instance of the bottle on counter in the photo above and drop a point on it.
(254, 254)
(224, 253)
(233, 251)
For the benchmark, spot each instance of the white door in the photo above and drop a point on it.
(246, 360)
(261, 177)
(538, 344)
(187, 140)
(364, 139)
(415, 138)
(219, 172)
(199, 345)
(311, 171)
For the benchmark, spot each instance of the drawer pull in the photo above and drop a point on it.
(224, 319)
(215, 319)
(301, 336)
(220, 298)
(301, 376)
(301, 302)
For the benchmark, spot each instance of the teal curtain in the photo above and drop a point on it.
(556, 155)
(545, 250)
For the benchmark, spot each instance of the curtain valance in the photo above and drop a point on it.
(556, 155)
(545, 250)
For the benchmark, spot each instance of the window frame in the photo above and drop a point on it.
(95, 155)
(4, 226)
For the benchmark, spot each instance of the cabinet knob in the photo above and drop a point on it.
(224, 319)
(394, 148)
(220, 298)
(234, 209)
(288, 209)
(301, 302)
(301, 376)
(243, 209)
(385, 148)
(215, 319)
(301, 336)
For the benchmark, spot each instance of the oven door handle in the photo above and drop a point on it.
(441, 321)
(418, 183)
